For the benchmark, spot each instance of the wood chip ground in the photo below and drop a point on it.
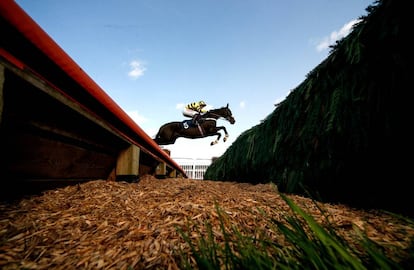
(118, 225)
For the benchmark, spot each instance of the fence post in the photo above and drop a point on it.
(127, 165)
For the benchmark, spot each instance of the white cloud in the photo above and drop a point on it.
(242, 104)
(139, 119)
(179, 106)
(151, 132)
(142, 121)
(336, 35)
(137, 69)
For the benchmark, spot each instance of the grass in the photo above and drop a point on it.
(306, 245)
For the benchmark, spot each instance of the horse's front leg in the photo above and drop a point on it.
(217, 139)
(226, 135)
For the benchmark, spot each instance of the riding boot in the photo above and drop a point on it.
(195, 119)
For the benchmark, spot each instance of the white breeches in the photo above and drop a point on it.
(189, 113)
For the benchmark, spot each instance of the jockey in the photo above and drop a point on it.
(195, 110)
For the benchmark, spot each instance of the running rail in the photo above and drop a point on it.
(13, 14)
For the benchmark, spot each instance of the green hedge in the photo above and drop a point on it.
(343, 133)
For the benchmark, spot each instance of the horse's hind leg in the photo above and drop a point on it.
(217, 139)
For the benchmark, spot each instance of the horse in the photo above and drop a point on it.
(170, 132)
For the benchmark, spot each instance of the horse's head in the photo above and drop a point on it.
(224, 112)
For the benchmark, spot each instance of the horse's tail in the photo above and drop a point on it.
(158, 139)
(166, 133)
(157, 135)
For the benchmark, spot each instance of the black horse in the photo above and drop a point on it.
(169, 132)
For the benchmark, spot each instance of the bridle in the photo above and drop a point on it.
(219, 116)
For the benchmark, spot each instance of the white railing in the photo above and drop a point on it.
(193, 168)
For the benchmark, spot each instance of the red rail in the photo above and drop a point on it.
(20, 20)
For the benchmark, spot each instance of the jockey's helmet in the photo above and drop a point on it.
(202, 103)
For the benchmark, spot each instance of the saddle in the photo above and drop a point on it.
(198, 118)
(189, 123)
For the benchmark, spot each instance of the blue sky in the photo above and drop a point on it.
(153, 56)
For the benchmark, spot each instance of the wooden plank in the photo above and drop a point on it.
(173, 174)
(127, 166)
(161, 170)
(44, 86)
(29, 156)
(1, 91)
